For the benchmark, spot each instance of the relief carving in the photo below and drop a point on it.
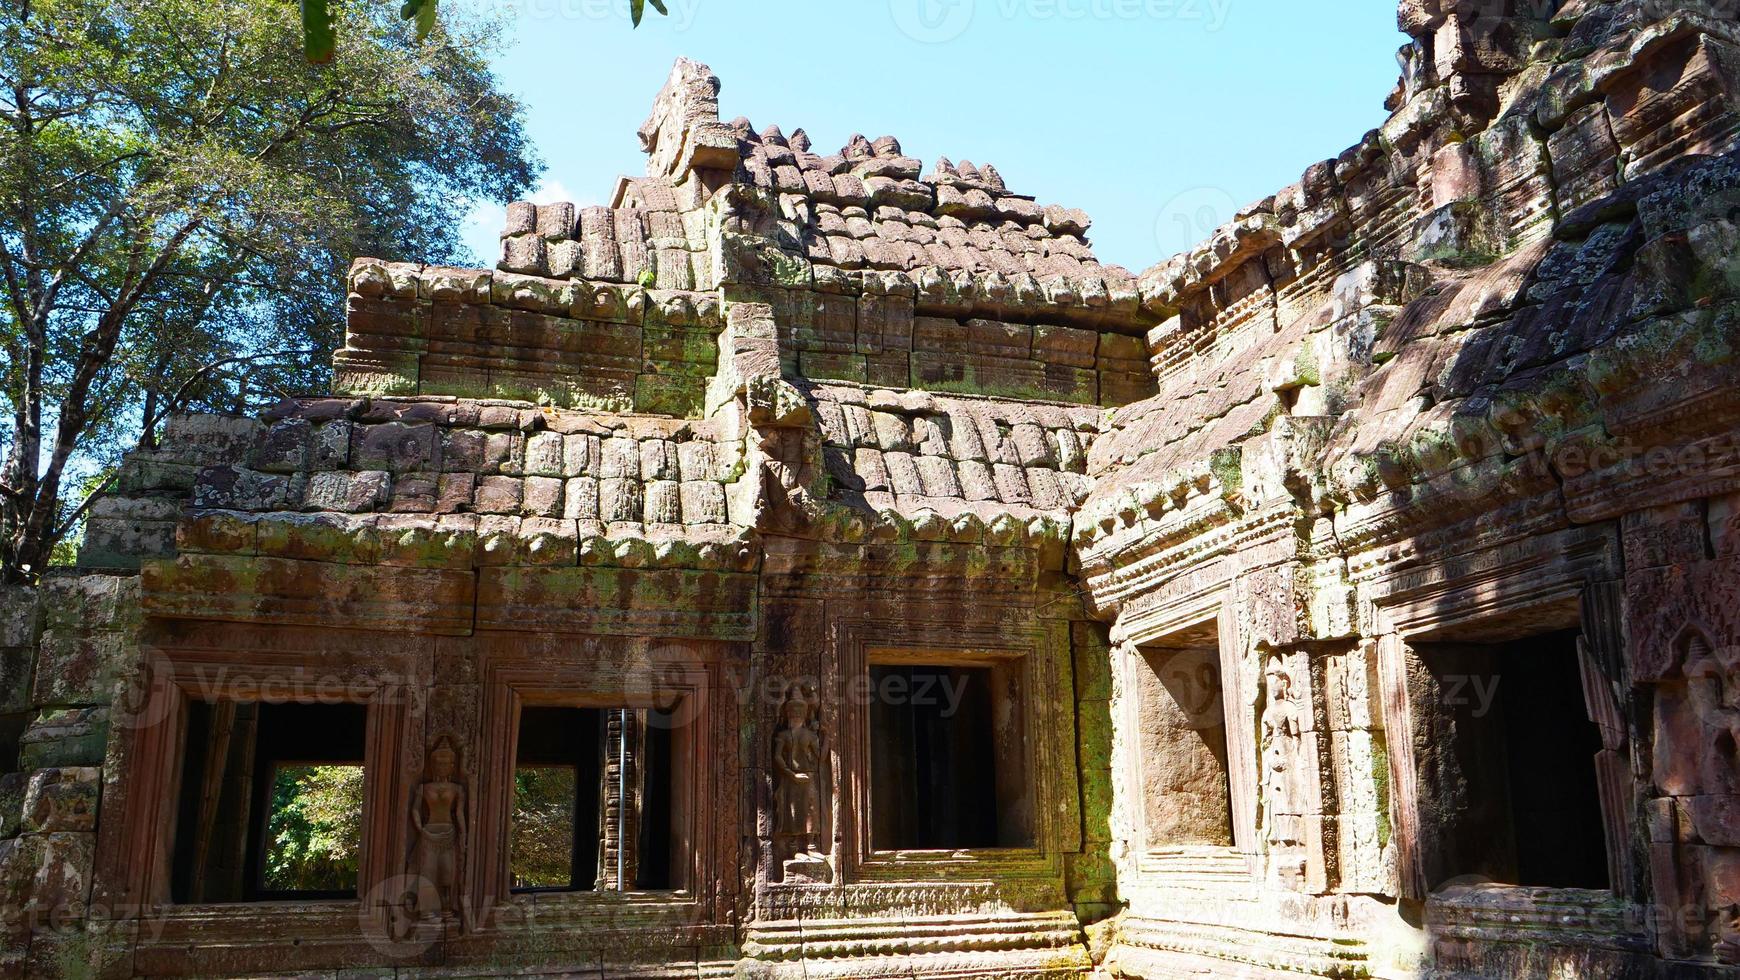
(438, 814)
(799, 766)
(1283, 816)
(1695, 825)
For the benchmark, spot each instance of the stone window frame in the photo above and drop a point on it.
(135, 860)
(1560, 582)
(879, 656)
(1199, 863)
(515, 677)
(1047, 706)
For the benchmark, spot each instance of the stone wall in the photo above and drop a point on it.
(600, 346)
(1415, 400)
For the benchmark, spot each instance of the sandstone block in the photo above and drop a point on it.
(498, 495)
(395, 447)
(350, 492)
(703, 502)
(546, 454)
(580, 500)
(62, 800)
(542, 496)
(663, 502)
(65, 737)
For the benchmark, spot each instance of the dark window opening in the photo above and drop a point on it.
(555, 837)
(1505, 754)
(1181, 727)
(947, 758)
(11, 734)
(595, 804)
(653, 869)
(271, 802)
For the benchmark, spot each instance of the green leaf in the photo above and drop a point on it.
(317, 37)
(636, 10)
(659, 5)
(421, 11)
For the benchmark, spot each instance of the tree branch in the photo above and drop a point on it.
(174, 403)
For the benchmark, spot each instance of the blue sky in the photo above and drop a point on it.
(1157, 117)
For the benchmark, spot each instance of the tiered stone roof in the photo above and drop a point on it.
(912, 451)
(467, 482)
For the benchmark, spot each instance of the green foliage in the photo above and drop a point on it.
(637, 9)
(314, 833)
(543, 827)
(319, 40)
(178, 188)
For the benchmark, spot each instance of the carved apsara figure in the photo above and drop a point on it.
(438, 813)
(1282, 736)
(797, 766)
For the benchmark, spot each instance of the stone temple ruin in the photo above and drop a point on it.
(805, 567)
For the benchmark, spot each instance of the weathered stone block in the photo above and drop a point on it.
(580, 499)
(498, 495)
(65, 737)
(336, 537)
(703, 502)
(348, 492)
(282, 448)
(62, 800)
(1585, 159)
(582, 454)
(542, 496)
(282, 591)
(619, 500)
(454, 491)
(60, 888)
(206, 438)
(1680, 101)
(621, 459)
(1465, 233)
(81, 666)
(1664, 536)
(659, 460)
(235, 488)
(546, 454)
(673, 395)
(663, 502)
(395, 447)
